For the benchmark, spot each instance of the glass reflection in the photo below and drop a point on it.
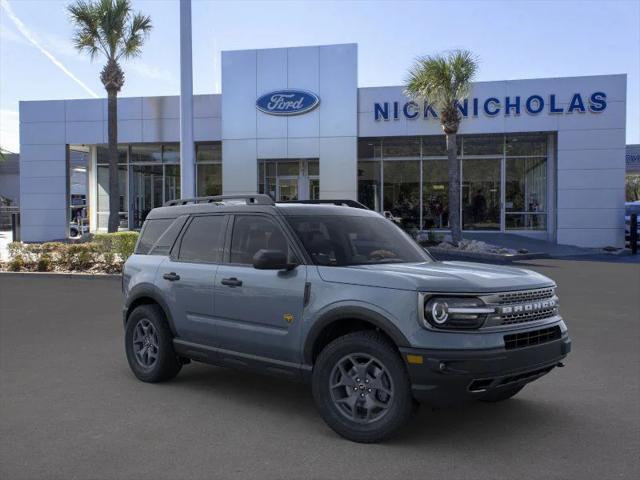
(481, 194)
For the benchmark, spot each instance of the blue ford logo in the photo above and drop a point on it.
(287, 102)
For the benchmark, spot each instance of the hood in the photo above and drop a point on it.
(454, 277)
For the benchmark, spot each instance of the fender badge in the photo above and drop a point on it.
(288, 317)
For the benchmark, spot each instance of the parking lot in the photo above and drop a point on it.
(70, 408)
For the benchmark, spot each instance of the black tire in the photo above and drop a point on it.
(392, 379)
(501, 394)
(166, 363)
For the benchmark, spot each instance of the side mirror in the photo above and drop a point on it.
(271, 260)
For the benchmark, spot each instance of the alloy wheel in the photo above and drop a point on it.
(145, 343)
(361, 388)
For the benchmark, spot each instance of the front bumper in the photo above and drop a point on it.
(453, 376)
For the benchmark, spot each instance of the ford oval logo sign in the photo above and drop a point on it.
(287, 102)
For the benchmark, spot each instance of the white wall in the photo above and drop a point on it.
(329, 132)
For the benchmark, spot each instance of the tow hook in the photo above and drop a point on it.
(560, 365)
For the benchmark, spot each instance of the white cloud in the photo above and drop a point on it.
(9, 130)
(31, 37)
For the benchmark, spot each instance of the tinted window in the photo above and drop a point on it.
(168, 238)
(252, 233)
(151, 232)
(204, 239)
(341, 240)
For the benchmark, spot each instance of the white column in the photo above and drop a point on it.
(187, 148)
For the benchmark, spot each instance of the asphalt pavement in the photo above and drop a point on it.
(71, 409)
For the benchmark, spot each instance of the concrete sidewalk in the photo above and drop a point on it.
(518, 242)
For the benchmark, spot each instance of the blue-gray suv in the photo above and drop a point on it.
(336, 296)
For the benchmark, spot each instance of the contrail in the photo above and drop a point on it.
(31, 38)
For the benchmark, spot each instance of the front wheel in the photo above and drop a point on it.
(149, 345)
(361, 387)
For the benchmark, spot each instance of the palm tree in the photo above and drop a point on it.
(445, 81)
(112, 29)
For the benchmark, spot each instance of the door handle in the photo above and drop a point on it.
(172, 276)
(231, 282)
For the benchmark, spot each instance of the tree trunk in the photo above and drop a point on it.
(114, 186)
(454, 188)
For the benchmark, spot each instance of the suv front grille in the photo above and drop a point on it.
(527, 297)
(508, 298)
(535, 337)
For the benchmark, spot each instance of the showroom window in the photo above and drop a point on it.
(149, 175)
(503, 180)
(102, 159)
(369, 173)
(208, 169)
(526, 182)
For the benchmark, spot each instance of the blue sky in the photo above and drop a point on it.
(512, 39)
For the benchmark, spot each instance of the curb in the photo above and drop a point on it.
(447, 254)
(77, 276)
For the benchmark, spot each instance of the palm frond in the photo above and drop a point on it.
(85, 16)
(109, 27)
(139, 28)
(442, 80)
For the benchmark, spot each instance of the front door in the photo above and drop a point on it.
(287, 189)
(290, 180)
(259, 312)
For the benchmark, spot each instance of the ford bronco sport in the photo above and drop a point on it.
(336, 296)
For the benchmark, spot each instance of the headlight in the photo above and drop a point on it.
(455, 312)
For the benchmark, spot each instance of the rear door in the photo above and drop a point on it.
(187, 277)
(259, 312)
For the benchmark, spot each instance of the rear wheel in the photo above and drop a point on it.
(501, 394)
(149, 345)
(361, 387)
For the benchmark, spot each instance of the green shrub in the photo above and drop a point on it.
(44, 263)
(104, 241)
(125, 244)
(15, 249)
(109, 258)
(107, 251)
(79, 256)
(119, 243)
(16, 263)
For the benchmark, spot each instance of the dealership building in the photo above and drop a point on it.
(543, 158)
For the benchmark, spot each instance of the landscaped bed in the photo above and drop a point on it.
(99, 253)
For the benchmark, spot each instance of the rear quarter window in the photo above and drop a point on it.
(151, 232)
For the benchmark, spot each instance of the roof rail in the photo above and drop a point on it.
(257, 199)
(339, 202)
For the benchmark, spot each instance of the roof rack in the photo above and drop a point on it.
(258, 199)
(339, 202)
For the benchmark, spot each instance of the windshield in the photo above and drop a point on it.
(341, 240)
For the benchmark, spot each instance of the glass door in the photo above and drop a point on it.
(287, 189)
(146, 186)
(482, 194)
(289, 180)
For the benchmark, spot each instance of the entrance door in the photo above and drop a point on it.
(482, 194)
(288, 180)
(287, 189)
